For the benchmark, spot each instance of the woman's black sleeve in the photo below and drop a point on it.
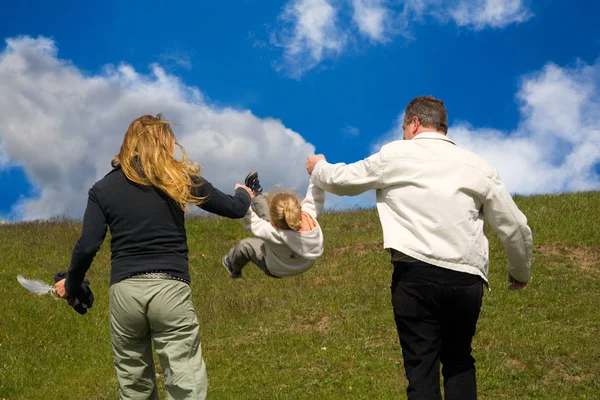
(219, 203)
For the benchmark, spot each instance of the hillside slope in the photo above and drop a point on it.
(328, 334)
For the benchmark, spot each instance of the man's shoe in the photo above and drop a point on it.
(253, 183)
(227, 264)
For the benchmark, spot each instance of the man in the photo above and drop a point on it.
(432, 199)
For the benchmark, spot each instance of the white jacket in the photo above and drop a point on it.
(432, 198)
(290, 252)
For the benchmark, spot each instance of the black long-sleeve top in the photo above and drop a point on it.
(147, 227)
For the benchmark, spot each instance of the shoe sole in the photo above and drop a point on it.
(249, 177)
(228, 271)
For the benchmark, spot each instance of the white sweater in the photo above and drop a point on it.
(432, 198)
(290, 252)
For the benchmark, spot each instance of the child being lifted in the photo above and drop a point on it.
(288, 238)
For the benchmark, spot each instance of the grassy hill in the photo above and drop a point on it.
(327, 334)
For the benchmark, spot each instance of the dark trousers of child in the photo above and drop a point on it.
(436, 312)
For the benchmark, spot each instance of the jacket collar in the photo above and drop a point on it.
(432, 135)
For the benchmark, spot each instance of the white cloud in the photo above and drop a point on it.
(473, 14)
(64, 126)
(556, 146)
(3, 157)
(313, 31)
(350, 130)
(177, 58)
(372, 19)
(489, 13)
(309, 33)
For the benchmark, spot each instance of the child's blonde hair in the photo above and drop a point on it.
(285, 210)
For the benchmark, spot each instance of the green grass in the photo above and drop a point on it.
(327, 334)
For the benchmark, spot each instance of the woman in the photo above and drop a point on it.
(143, 200)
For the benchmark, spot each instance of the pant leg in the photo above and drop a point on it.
(419, 330)
(131, 341)
(248, 250)
(176, 335)
(260, 205)
(461, 312)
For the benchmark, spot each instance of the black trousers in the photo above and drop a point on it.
(436, 312)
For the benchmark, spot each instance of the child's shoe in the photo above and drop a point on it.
(253, 183)
(227, 264)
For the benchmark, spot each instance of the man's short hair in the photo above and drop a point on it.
(430, 111)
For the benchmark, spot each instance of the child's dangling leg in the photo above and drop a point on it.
(246, 250)
(249, 249)
(260, 203)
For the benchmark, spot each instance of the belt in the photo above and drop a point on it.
(158, 275)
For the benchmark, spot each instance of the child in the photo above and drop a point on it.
(288, 237)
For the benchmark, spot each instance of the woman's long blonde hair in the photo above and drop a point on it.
(285, 210)
(147, 158)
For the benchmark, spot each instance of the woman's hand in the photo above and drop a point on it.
(237, 185)
(60, 289)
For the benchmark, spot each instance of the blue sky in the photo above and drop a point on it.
(260, 85)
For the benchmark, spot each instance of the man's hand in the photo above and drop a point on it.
(237, 185)
(311, 161)
(60, 289)
(515, 284)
